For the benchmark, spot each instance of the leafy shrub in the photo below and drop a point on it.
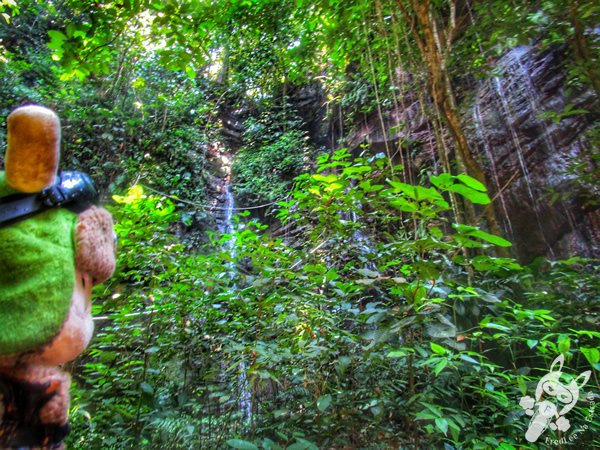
(375, 330)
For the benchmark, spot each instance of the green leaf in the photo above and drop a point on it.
(269, 444)
(564, 344)
(426, 270)
(302, 444)
(495, 326)
(397, 354)
(323, 402)
(241, 444)
(468, 359)
(486, 322)
(438, 349)
(522, 385)
(190, 72)
(441, 365)
(325, 178)
(368, 273)
(404, 205)
(470, 231)
(591, 354)
(472, 182)
(492, 239)
(441, 424)
(442, 181)
(481, 198)
(441, 330)
(147, 388)
(56, 40)
(343, 363)
(280, 412)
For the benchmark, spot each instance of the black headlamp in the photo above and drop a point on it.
(73, 190)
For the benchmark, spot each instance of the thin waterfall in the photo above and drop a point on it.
(533, 98)
(360, 238)
(521, 158)
(228, 208)
(532, 95)
(480, 130)
(228, 227)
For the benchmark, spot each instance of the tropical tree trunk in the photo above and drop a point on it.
(581, 47)
(434, 46)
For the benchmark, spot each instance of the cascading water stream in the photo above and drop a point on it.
(509, 117)
(361, 239)
(480, 130)
(535, 102)
(227, 227)
(532, 94)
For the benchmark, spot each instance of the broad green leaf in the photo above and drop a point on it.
(325, 178)
(564, 344)
(437, 348)
(302, 444)
(343, 363)
(591, 354)
(280, 412)
(426, 270)
(269, 444)
(474, 196)
(368, 273)
(472, 182)
(496, 326)
(441, 330)
(240, 444)
(404, 205)
(323, 402)
(147, 388)
(442, 181)
(56, 40)
(468, 359)
(397, 354)
(190, 72)
(441, 424)
(470, 231)
(433, 408)
(491, 238)
(440, 366)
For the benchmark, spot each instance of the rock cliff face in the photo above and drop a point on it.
(530, 158)
(529, 152)
(525, 125)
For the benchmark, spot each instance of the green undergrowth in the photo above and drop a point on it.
(377, 324)
(275, 150)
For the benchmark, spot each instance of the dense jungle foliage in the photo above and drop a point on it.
(360, 299)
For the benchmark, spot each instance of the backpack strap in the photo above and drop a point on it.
(74, 191)
(19, 207)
